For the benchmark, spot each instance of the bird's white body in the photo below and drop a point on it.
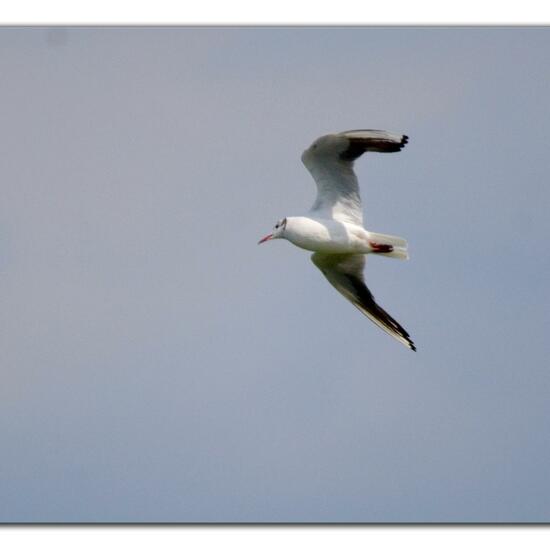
(329, 236)
(333, 228)
(337, 237)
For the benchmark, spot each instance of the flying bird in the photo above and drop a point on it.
(333, 228)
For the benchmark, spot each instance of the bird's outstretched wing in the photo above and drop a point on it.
(330, 161)
(345, 273)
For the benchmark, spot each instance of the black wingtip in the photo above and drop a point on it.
(403, 142)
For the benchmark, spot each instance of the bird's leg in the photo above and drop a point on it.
(380, 248)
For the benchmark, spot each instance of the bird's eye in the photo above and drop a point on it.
(277, 226)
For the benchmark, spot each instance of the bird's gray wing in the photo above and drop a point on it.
(345, 273)
(330, 161)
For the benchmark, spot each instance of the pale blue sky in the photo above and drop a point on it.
(157, 365)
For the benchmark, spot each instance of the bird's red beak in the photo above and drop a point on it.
(266, 238)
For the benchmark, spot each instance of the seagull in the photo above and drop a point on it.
(333, 228)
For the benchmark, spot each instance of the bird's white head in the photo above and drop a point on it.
(277, 233)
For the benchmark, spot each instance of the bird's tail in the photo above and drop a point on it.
(389, 245)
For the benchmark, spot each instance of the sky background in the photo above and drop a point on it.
(157, 365)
